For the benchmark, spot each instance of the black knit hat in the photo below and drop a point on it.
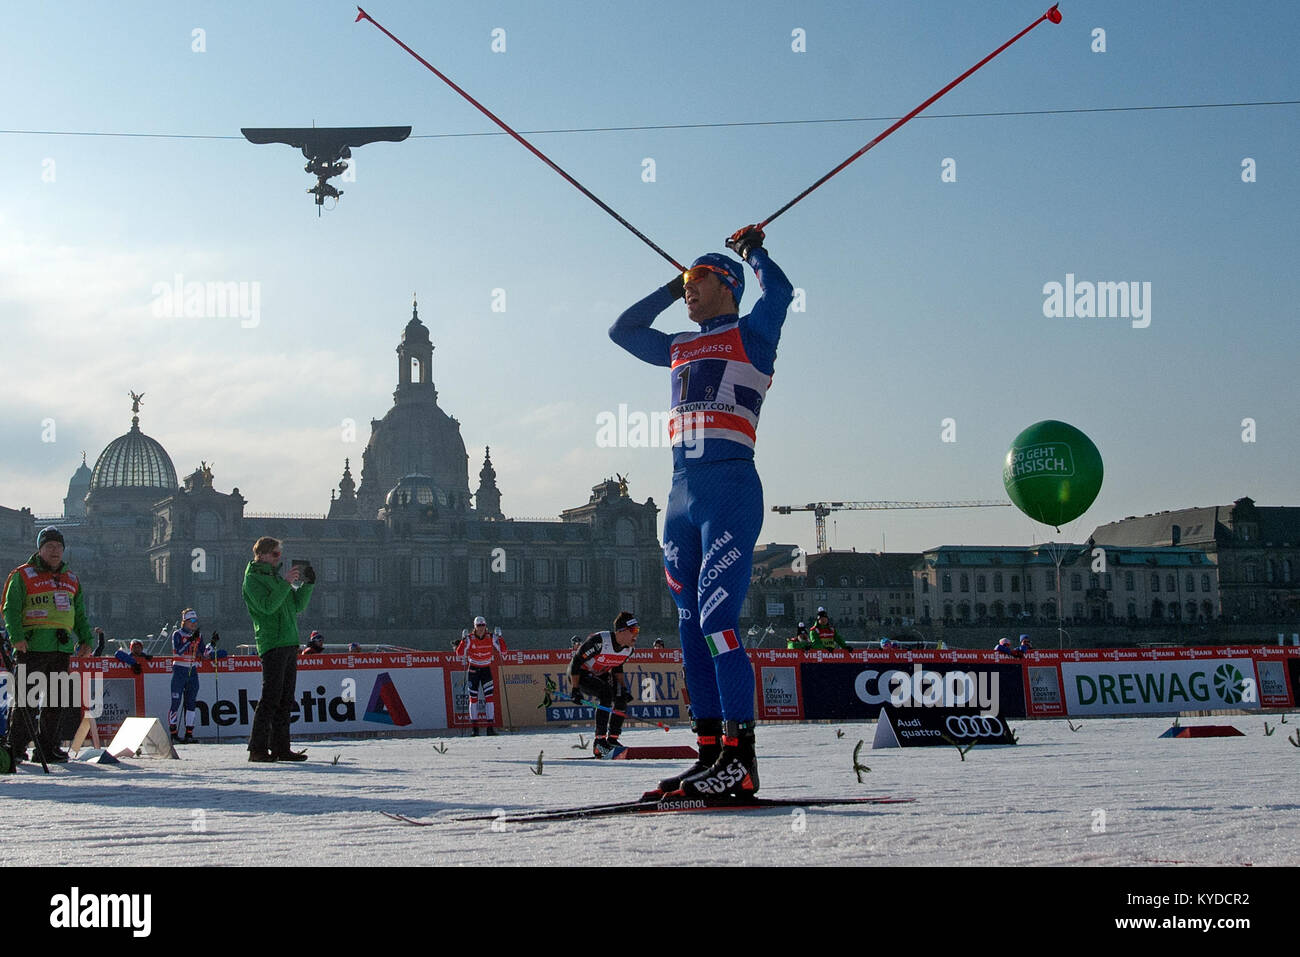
(49, 534)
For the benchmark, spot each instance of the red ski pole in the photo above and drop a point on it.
(1053, 15)
(361, 14)
(624, 714)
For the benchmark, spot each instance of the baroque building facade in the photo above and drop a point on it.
(407, 557)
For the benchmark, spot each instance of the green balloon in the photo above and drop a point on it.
(1052, 472)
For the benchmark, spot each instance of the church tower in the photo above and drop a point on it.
(416, 437)
(487, 500)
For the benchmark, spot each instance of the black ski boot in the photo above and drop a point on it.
(708, 738)
(734, 774)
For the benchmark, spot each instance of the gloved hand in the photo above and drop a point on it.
(135, 666)
(309, 574)
(216, 636)
(745, 240)
(576, 695)
(678, 286)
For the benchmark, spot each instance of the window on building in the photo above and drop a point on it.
(947, 584)
(1171, 582)
(574, 571)
(509, 607)
(329, 570)
(1190, 584)
(1132, 609)
(997, 581)
(542, 571)
(844, 581)
(207, 528)
(1128, 581)
(331, 606)
(542, 606)
(1155, 582)
(475, 569)
(627, 571)
(366, 571)
(1078, 610)
(205, 603)
(1205, 583)
(578, 606)
(365, 606)
(965, 582)
(209, 569)
(981, 584)
(1252, 572)
(1076, 582)
(1015, 583)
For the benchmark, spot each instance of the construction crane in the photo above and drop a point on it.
(821, 509)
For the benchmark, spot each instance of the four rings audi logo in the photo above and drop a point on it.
(975, 726)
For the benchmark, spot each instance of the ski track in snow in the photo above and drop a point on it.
(1201, 801)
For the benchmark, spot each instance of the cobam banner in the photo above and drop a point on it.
(1159, 687)
(852, 690)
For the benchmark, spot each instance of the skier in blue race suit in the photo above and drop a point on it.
(720, 375)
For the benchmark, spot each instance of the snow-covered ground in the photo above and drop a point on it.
(1112, 793)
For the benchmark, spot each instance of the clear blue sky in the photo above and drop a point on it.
(924, 298)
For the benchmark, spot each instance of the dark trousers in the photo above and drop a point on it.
(611, 691)
(279, 683)
(24, 723)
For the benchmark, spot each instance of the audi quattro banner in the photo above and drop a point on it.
(832, 690)
(335, 694)
(1159, 687)
(927, 727)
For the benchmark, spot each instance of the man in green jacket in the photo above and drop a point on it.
(45, 615)
(274, 604)
(823, 636)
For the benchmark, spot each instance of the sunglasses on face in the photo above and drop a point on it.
(696, 273)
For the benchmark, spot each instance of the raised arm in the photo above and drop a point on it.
(632, 329)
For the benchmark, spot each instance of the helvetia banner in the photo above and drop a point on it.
(357, 697)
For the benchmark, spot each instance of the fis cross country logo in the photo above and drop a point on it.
(1229, 683)
(975, 726)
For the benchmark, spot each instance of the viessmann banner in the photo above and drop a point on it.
(1159, 687)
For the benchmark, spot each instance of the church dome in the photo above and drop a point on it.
(134, 460)
(415, 490)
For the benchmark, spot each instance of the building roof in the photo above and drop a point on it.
(134, 460)
(1214, 525)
